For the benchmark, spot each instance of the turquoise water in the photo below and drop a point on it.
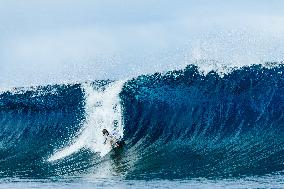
(276, 181)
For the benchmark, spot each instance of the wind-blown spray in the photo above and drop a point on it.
(102, 111)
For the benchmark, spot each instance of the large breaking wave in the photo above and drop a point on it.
(180, 124)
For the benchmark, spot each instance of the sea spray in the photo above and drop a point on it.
(102, 111)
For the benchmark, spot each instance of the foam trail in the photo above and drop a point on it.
(102, 109)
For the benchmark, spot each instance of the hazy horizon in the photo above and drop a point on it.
(58, 41)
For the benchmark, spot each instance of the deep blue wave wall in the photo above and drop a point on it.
(33, 122)
(185, 124)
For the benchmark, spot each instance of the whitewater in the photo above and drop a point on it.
(102, 111)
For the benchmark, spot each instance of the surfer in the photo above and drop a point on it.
(112, 139)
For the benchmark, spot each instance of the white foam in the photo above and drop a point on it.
(102, 109)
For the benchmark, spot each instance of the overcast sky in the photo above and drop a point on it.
(55, 41)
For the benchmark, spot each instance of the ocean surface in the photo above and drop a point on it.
(182, 128)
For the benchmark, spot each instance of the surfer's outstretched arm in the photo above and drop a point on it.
(105, 141)
(116, 144)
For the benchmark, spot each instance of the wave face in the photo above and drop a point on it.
(180, 124)
(184, 124)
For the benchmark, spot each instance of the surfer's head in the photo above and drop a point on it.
(105, 132)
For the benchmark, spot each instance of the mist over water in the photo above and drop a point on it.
(109, 41)
(210, 50)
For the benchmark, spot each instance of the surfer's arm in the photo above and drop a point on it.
(105, 141)
(116, 144)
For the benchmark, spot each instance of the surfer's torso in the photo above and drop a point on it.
(111, 139)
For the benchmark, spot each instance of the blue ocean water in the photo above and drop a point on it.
(182, 129)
